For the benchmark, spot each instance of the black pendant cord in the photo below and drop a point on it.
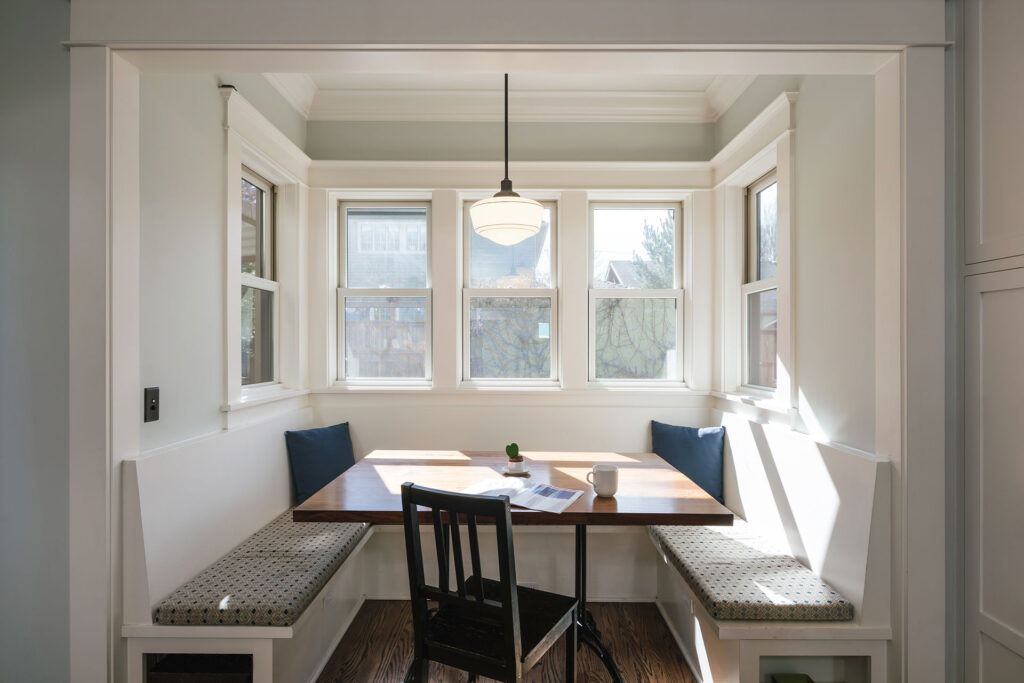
(506, 127)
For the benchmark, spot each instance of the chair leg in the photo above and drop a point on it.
(570, 652)
(419, 671)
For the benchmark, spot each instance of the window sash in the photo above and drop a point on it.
(530, 293)
(268, 224)
(677, 292)
(386, 293)
(753, 237)
(746, 292)
(343, 207)
(467, 234)
(677, 242)
(679, 295)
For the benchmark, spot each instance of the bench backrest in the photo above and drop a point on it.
(187, 504)
(830, 504)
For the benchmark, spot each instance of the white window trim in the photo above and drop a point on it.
(341, 381)
(677, 292)
(253, 143)
(754, 286)
(767, 144)
(552, 293)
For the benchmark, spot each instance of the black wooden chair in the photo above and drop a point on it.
(486, 627)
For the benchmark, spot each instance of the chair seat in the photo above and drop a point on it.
(268, 579)
(738, 573)
(541, 614)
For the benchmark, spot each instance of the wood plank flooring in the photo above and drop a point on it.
(377, 648)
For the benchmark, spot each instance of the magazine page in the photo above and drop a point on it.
(543, 497)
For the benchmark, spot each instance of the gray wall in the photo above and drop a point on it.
(478, 141)
(181, 269)
(258, 91)
(34, 96)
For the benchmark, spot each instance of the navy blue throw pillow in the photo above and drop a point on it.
(317, 457)
(696, 452)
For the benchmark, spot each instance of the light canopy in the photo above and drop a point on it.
(506, 218)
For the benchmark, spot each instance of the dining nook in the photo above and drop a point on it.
(535, 341)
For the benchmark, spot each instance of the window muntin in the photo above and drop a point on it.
(760, 293)
(259, 286)
(384, 302)
(636, 303)
(509, 306)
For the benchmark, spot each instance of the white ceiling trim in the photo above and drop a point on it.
(524, 106)
(725, 90)
(298, 89)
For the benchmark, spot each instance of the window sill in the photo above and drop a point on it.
(379, 387)
(262, 396)
(762, 400)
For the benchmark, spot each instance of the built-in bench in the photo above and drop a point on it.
(215, 564)
(738, 573)
(802, 586)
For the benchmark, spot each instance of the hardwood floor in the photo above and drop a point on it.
(377, 648)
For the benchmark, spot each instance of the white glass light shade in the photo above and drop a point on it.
(506, 219)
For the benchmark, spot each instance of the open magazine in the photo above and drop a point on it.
(543, 497)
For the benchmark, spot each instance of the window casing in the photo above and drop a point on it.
(510, 307)
(384, 294)
(259, 285)
(635, 294)
(760, 290)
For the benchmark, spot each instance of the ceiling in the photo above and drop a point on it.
(533, 97)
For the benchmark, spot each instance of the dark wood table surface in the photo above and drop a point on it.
(650, 490)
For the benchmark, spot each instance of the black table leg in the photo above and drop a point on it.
(586, 626)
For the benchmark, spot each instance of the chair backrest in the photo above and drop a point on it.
(446, 511)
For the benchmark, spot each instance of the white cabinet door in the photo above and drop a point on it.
(994, 406)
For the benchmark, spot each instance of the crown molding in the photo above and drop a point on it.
(298, 89)
(725, 90)
(525, 106)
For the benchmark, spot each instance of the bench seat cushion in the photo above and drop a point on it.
(267, 580)
(738, 573)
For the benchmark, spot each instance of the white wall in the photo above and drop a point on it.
(475, 141)
(34, 96)
(825, 22)
(181, 265)
(834, 263)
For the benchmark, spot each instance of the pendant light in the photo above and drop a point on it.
(506, 218)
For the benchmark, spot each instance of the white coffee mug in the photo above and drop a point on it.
(605, 479)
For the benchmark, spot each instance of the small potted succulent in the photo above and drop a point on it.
(515, 460)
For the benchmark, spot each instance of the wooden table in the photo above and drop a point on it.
(650, 492)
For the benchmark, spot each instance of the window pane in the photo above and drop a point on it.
(635, 338)
(385, 337)
(387, 248)
(510, 337)
(257, 336)
(518, 266)
(762, 323)
(767, 219)
(634, 248)
(252, 229)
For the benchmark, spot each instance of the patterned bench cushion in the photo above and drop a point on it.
(739, 574)
(267, 580)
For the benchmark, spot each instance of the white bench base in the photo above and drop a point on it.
(279, 653)
(730, 651)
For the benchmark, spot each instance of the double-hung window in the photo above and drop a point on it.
(259, 283)
(636, 298)
(509, 307)
(384, 302)
(760, 291)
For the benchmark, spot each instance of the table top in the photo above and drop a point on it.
(650, 490)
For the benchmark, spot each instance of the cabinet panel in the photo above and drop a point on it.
(994, 406)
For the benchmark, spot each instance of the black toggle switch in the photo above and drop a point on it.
(151, 405)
